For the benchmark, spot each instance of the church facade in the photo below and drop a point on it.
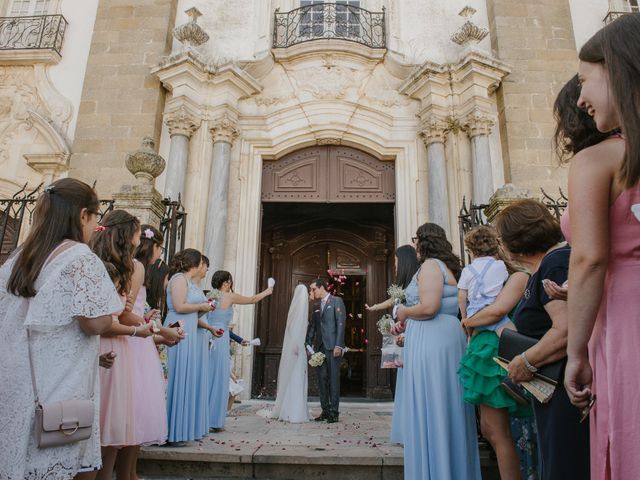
(301, 136)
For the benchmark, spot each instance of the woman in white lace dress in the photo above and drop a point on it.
(58, 289)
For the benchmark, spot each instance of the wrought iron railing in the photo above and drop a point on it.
(473, 215)
(329, 20)
(617, 13)
(45, 32)
(173, 227)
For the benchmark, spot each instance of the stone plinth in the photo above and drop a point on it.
(503, 197)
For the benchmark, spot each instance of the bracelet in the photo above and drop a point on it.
(530, 367)
(135, 330)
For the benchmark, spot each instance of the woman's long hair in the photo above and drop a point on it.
(113, 243)
(156, 275)
(56, 217)
(184, 260)
(432, 243)
(150, 237)
(408, 265)
(617, 48)
(575, 129)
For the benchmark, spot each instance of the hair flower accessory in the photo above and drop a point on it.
(148, 233)
(100, 228)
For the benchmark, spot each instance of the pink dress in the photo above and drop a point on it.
(148, 385)
(614, 348)
(116, 394)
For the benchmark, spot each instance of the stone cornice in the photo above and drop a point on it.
(181, 122)
(224, 129)
(354, 52)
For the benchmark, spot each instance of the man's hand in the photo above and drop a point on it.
(337, 352)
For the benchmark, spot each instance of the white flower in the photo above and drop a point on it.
(148, 233)
(317, 359)
(396, 293)
(384, 324)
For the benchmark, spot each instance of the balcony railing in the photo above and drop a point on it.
(617, 13)
(43, 32)
(329, 20)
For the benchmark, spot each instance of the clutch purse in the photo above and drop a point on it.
(544, 381)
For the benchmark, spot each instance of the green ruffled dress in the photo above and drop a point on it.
(481, 376)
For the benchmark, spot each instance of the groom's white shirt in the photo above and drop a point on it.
(323, 302)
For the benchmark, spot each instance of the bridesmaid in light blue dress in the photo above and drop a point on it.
(218, 356)
(187, 386)
(439, 429)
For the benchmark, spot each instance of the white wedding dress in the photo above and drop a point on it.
(291, 398)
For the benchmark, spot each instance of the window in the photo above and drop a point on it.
(312, 19)
(21, 8)
(345, 24)
(348, 18)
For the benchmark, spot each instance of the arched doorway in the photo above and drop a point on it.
(327, 208)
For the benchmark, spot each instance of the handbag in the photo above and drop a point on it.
(60, 423)
(544, 380)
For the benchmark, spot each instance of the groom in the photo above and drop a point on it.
(326, 334)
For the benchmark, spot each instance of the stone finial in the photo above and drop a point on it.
(434, 130)
(224, 129)
(478, 123)
(503, 197)
(469, 32)
(145, 164)
(181, 122)
(191, 34)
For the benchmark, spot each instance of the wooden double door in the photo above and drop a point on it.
(298, 252)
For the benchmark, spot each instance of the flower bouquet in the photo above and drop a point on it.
(317, 359)
(214, 297)
(384, 324)
(396, 293)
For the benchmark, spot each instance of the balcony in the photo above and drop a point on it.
(329, 21)
(28, 40)
(615, 13)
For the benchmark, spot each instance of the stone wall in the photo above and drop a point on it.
(534, 37)
(121, 100)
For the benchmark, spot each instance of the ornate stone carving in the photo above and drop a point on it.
(328, 141)
(191, 34)
(434, 130)
(469, 32)
(503, 197)
(224, 130)
(324, 83)
(478, 123)
(145, 164)
(181, 122)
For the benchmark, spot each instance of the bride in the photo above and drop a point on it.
(291, 398)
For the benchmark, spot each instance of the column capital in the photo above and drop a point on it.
(478, 123)
(224, 129)
(181, 122)
(434, 130)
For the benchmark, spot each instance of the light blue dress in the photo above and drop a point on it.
(187, 386)
(440, 441)
(219, 367)
(398, 409)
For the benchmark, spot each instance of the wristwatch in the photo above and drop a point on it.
(530, 367)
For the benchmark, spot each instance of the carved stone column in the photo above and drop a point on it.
(478, 127)
(181, 126)
(223, 133)
(142, 199)
(434, 133)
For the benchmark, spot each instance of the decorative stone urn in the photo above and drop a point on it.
(145, 164)
(142, 199)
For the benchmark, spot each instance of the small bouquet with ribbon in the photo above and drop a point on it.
(214, 297)
(384, 324)
(317, 359)
(391, 353)
(151, 316)
(397, 294)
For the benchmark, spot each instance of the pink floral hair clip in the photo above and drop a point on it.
(100, 228)
(148, 233)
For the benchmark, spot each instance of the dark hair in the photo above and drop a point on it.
(156, 275)
(113, 244)
(432, 243)
(617, 47)
(56, 217)
(219, 278)
(482, 241)
(575, 129)
(149, 238)
(527, 227)
(206, 261)
(408, 265)
(184, 260)
(111, 271)
(321, 283)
